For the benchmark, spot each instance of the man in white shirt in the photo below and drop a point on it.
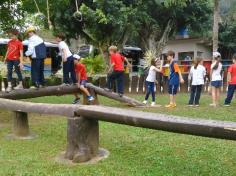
(37, 52)
(68, 60)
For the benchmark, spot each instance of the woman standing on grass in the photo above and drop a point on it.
(150, 82)
(216, 78)
(196, 75)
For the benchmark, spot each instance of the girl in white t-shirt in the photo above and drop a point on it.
(150, 82)
(197, 75)
(216, 78)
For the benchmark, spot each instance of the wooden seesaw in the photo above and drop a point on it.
(83, 126)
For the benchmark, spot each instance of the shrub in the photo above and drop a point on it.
(95, 65)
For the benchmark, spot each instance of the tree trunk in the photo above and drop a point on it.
(216, 26)
(83, 139)
(20, 124)
(63, 90)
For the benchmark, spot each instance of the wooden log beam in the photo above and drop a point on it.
(198, 127)
(114, 96)
(42, 92)
(63, 90)
(40, 108)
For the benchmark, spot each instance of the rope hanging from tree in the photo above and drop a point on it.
(78, 15)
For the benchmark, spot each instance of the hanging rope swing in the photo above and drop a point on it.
(39, 15)
(78, 15)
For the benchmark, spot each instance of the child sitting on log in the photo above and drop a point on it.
(82, 79)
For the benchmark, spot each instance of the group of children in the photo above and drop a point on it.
(197, 76)
(74, 72)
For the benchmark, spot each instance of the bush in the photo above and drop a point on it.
(95, 65)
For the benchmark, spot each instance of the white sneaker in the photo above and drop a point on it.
(145, 102)
(153, 104)
(19, 87)
(9, 89)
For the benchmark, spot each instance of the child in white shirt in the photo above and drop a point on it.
(196, 75)
(150, 82)
(68, 60)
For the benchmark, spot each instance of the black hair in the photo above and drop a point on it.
(61, 35)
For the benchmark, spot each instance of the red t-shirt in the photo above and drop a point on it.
(232, 70)
(80, 69)
(118, 60)
(14, 47)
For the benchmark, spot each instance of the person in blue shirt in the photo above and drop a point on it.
(175, 78)
(37, 53)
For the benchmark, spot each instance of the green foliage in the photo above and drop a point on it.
(94, 65)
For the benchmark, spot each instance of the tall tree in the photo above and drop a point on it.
(216, 25)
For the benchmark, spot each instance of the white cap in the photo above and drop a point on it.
(216, 54)
(76, 56)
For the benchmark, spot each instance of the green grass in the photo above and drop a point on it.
(134, 151)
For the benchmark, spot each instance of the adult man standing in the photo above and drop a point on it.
(37, 52)
(14, 59)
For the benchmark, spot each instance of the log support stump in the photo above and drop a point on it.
(20, 126)
(82, 139)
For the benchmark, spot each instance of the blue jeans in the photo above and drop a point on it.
(119, 77)
(69, 71)
(230, 93)
(10, 65)
(37, 69)
(150, 90)
(195, 94)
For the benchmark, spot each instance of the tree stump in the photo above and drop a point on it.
(82, 139)
(20, 124)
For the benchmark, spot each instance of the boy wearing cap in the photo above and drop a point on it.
(175, 78)
(14, 58)
(37, 52)
(68, 60)
(82, 78)
(231, 81)
(116, 70)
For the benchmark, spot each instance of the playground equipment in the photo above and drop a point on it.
(83, 126)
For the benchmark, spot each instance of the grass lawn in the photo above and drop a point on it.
(133, 151)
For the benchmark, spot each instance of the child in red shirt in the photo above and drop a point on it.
(14, 59)
(231, 81)
(82, 79)
(116, 71)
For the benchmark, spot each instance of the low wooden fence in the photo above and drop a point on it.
(83, 122)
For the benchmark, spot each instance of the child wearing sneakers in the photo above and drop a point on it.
(14, 59)
(150, 82)
(197, 75)
(231, 81)
(216, 78)
(82, 78)
(175, 78)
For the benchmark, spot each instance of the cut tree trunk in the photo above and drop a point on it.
(82, 139)
(216, 26)
(20, 124)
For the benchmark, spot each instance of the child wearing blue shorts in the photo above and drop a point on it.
(175, 78)
(216, 78)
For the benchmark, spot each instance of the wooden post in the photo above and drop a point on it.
(20, 124)
(83, 139)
